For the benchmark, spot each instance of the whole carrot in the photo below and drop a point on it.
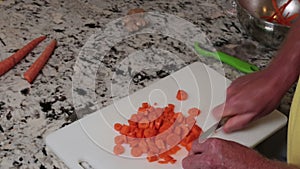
(35, 68)
(11, 61)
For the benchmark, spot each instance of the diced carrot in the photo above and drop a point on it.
(117, 126)
(134, 142)
(160, 144)
(152, 158)
(181, 95)
(120, 139)
(145, 105)
(139, 133)
(189, 146)
(143, 145)
(190, 121)
(163, 162)
(173, 139)
(125, 130)
(149, 132)
(119, 149)
(196, 130)
(179, 117)
(194, 112)
(143, 123)
(174, 150)
(177, 130)
(136, 151)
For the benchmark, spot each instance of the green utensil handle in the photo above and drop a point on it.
(230, 60)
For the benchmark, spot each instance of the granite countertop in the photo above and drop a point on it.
(28, 113)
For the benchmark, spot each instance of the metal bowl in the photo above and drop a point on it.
(250, 13)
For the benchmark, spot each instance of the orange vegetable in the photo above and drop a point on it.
(11, 61)
(152, 158)
(182, 95)
(159, 137)
(136, 151)
(194, 112)
(119, 149)
(120, 139)
(35, 68)
(173, 139)
(118, 126)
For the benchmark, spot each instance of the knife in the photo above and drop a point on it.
(212, 130)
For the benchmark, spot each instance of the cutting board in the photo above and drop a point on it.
(88, 142)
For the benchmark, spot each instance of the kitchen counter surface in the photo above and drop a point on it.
(28, 113)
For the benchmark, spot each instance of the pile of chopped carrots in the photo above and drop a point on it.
(279, 17)
(157, 132)
(32, 72)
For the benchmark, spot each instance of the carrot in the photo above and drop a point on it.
(136, 152)
(181, 95)
(194, 112)
(119, 149)
(117, 126)
(160, 144)
(149, 132)
(125, 130)
(143, 145)
(11, 61)
(120, 139)
(35, 68)
(160, 137)
(152, 158)
(172, 139)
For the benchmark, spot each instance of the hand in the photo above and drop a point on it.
(220, 154)
(251, 97)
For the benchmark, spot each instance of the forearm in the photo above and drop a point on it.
(285, 68)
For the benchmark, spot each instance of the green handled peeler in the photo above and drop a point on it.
(225, 58)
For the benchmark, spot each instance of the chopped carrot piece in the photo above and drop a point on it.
(181, 95)
(136, 151)
(173, 139)
(119, 149)
(149, 132)
(194, 112)
(120, 139)
(118, 126)
(143, 145)
(152, 158)
(189, 146)
(125, 130)
(143, 123)
(177, 130)
(160, 144)
(163, 162)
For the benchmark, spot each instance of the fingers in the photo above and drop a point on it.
(238, 122)
(198, 148)
(218, 111)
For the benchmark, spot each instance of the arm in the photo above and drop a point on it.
(255, 95)
(220, 154)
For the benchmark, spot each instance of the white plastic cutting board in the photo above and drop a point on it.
(90, 140)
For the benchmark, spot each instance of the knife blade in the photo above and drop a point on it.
(212, 129)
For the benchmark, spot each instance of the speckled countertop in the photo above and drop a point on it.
(28, 113)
